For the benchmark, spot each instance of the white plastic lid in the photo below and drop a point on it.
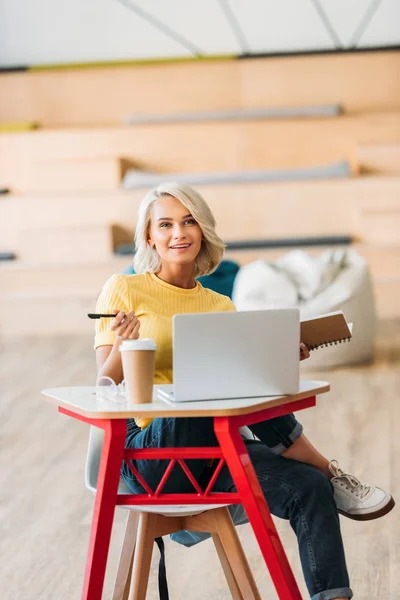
(143, 344)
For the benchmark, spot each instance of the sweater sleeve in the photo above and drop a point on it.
(113, 296)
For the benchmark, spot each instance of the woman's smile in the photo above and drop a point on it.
(180, 247)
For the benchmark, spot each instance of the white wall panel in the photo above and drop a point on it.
(55, 31)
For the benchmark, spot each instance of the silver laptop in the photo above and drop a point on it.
(234, 355)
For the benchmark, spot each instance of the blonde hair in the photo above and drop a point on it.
(212, 247)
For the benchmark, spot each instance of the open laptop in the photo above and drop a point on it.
(234, 355)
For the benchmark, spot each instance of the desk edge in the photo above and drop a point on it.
(191, 412)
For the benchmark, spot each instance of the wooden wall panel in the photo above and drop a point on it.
(302, 142)
(9, 225)
(387, 294)
(298, 143)
(37, 277)
(187, 147)
(198, 147)
(63, 244)
(359, 82)
(107, 95)
(16, 102)
(45, 314)
(246, 211)
(381, 225)
(100, 173)
(380, 158)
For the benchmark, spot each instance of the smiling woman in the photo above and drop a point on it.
(176, 243)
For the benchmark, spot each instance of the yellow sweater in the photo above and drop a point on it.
(154, 302)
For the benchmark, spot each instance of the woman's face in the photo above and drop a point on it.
(173, 231)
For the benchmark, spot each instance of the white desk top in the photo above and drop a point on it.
(85, 401)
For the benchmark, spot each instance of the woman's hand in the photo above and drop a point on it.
(126, 325)
(304, 352)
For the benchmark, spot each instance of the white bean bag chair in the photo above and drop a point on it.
(335, 280)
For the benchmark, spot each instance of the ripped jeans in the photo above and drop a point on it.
(293, 490)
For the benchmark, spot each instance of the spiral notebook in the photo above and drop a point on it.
(325, 330)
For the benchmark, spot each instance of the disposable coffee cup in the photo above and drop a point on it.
(138, 367)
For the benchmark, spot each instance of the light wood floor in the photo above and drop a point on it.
(45, 510)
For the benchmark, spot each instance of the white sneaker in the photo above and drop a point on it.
(356, 500)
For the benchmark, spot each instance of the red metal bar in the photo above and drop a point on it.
(100, 423)
(165, 477)
(190, 476)
(252, 498)
(273, 412)
(140, 479)
(167, 453)
(214, 477)
(190, 498)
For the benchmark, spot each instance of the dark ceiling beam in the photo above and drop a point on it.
(161, 26)
(327, 24)
(365, 21)
(234, 25)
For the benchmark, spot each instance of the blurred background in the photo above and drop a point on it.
(286, 117)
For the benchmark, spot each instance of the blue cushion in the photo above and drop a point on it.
(220, 281)
(128, 270)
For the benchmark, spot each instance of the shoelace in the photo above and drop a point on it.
(349, 482)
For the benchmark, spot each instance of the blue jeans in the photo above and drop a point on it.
(293, 490)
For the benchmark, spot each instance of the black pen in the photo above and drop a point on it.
(100, 316)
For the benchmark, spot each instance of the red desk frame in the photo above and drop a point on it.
(231, 451)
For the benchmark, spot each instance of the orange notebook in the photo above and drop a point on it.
(325, 330)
